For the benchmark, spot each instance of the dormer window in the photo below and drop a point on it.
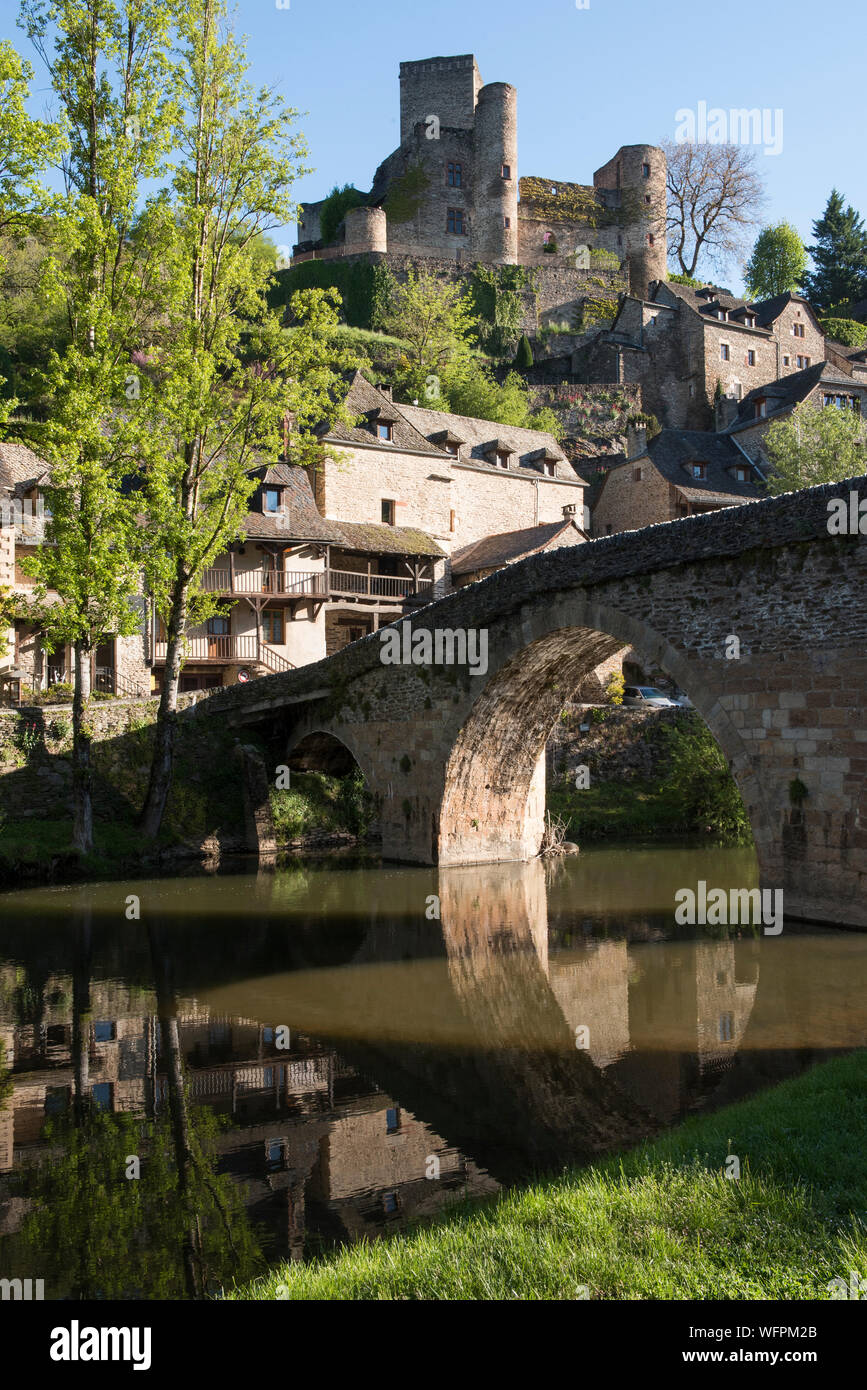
(452, 449)
(698, 471)
(761, 408)
(272, 499)
(743, 474)
(501, 458)
(385, 430)
(750, 322)
(549, 468)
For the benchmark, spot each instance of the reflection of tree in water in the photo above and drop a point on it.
(180, 1228)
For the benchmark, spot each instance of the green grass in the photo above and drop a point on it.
(662, 1222)
(31, 844)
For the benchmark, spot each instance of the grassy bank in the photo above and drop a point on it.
(662, 1222)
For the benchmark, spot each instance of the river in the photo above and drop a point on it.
(205, 1074)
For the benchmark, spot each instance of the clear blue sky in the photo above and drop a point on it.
(588, 80)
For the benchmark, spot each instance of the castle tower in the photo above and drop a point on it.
(443, 87)
(495, 188)
(637, 174)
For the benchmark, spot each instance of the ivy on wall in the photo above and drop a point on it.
(406, 194)
(363, 288)
(497, 303)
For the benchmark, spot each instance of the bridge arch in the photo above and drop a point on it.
(494, 776)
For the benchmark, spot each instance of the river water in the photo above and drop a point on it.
(209, 1073)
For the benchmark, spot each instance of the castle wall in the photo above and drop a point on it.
(495, 187)
(443, 87)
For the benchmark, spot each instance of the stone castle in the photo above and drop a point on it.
(452, 192)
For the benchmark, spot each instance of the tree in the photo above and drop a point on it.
(26, 147)
(815, 446)
(105, 63)
(224, 374)
(524, 355)
(335, 208)
(435, 317)
(714, 198)
(839, 256)
(778, 262)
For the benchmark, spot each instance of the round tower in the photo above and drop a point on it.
(366, 230)
(641, 176)
(495, 175)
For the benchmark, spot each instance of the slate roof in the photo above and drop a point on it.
(304, 520)
(790, 391)
(376, 538)
(19, 465)
(767, 311)
(698, 300)
(363, 398)
(479, 435)
(491, 552)
(670, 450)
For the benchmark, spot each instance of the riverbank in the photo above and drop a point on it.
(661, 1222)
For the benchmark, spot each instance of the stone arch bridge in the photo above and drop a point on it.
(456, 760)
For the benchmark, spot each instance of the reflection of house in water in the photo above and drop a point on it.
(319, 1150)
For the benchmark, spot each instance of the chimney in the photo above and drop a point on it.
(570, 510)
(726, 412)
(636, 441)
(387, 391)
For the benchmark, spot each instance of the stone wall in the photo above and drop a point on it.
(633, 495)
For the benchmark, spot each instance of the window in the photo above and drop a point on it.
(104, 1032)
(549, 469)
(840, 402)
(273, 630)
(804, 362)
(218, 626)
(455, 222)
(750, 322)
(56, 1100)
(385, 430)
(387, 512)
(797, 330)
(608, 529)
(507, 221)
(724, 352)
(751, 359)
(272, 499)
(787, 361)
(452, 448)
(698, 470)
(645, 170)
(389, 1203)
(647, 197)
(451, 521)
(507, 171)
(650, 240)
(742, 474)
(455, 175)
(726, 1027)
(392, 1120)
(275, 1151)
(102, 1095)
(761, 408)
(637, 475)
(502, 458)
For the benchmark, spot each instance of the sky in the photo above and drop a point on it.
(588, 80)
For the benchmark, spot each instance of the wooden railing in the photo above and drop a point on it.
(377, 585)
(303, 583)
(228, 647)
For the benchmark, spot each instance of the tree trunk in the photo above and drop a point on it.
(162, 763)
(82, 771)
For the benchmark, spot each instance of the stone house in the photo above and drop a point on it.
(679, 473)
(686, 347)
(118, 664)
(822, 386)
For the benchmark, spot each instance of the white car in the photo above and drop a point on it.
(647, 696)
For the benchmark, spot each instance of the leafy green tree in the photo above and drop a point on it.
(224, 374)
(699, 779)
(105, 62)
(524, 355)
(335, 208)
(844, 330)
(778, 263)
(815, 446)
(27, 146)
(435, 318)
(839, 255)
(615, 688)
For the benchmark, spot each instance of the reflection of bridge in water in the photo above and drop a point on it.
(412, 1038)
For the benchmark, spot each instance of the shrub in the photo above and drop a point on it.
(524, 355)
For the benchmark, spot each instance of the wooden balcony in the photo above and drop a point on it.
(205, 649)
(261, 582)
(350, 583)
